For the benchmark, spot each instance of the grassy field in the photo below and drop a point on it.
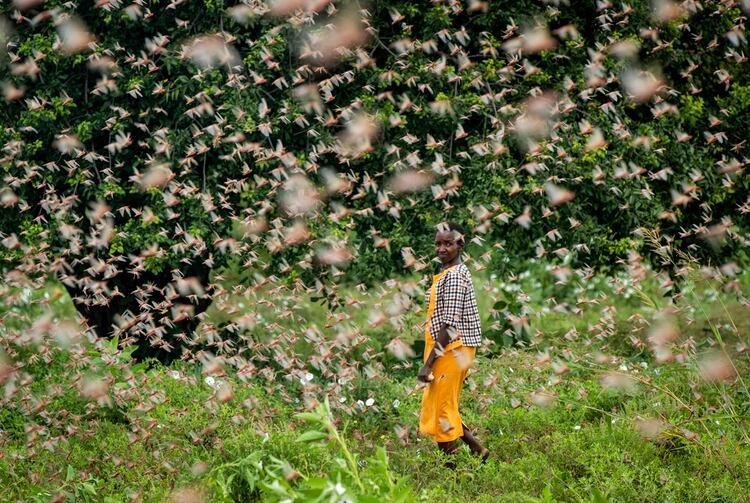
(321, 406)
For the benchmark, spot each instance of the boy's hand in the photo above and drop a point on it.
(425, 374)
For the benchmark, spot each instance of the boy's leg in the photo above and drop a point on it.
(470, 440)
(449, 449)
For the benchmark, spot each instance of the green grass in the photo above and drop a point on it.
(162, 434)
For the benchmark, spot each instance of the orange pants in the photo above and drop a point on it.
(439, 417)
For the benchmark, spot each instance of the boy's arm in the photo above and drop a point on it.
(443, 339)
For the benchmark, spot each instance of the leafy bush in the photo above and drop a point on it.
(260, 476)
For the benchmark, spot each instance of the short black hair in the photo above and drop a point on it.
(457, 227)
(453, 226)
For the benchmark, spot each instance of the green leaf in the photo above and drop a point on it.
(597, 497)
(316, 483)
(547, 496)
(308, 416)
(70, 474)
(312, 436)
(89, 488)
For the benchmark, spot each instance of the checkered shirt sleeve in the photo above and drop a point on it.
(456, 306)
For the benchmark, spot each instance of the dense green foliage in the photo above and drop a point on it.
(127, 163)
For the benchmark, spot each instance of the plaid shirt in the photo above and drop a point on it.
(456, 306)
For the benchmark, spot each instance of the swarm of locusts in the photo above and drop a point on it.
(145, 217)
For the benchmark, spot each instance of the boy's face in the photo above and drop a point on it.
(448, 245)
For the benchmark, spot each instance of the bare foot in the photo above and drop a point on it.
(485, 454)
